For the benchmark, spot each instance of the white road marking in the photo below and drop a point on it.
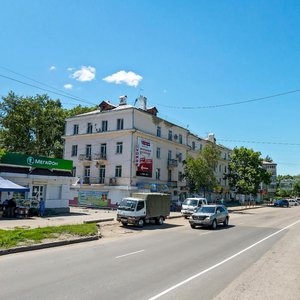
(130, 253)
(220, 263)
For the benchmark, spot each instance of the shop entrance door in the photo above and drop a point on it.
(38, 192)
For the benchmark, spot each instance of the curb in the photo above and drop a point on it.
(174, 217)
(98, 220)
(244, 208)
(48, 245)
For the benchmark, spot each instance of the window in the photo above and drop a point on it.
(75, 129)
(87, 174)
(220, 168)
(140, 205)
(74, 172)
(119, 148)
(89, 128)
(118, 171)
(169, 175)
(179, 155)
(225, 169)
(104, 126)
(180, 138)
(170, 154)
(74, 150)
(193, 145)
(170, 135)
(157, 173)
(180, 176)
(158, 131)
(120, 124)
(200, 147)
(101, 174)
(157, 152)
(88, 151)
(103, 151)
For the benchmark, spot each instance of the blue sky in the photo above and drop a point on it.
(177, 54)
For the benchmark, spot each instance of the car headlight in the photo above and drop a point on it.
(207, 218)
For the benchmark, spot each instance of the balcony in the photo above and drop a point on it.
(99, 156)
(172, 163)
(83, 157)
(93, 180)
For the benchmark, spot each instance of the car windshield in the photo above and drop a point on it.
(206, 210)
(127, 204)
(190, 202)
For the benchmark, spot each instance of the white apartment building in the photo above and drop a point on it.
(120, 149)
(270, 190)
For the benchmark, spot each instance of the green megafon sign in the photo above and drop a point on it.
(36, 161)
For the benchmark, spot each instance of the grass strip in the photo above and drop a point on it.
(20, 236)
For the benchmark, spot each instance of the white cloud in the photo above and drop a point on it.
(52, 68)
(129, 78)
(70, 69)
(68, 86)
(85, 74)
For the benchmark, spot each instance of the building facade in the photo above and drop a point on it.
(48, 179)
(119, 149)
(269, 191)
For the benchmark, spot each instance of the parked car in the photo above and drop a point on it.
(190, 205)
(210, 216)
(292, 202)
(281, 203)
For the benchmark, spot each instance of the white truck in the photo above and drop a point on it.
(190, 205)
(143, 208)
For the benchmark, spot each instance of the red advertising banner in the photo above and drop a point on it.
(143, 158)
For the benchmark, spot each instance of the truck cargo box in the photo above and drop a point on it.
(157, 204)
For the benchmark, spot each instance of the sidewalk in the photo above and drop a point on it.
(80, 215)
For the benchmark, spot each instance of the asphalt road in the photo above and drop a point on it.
(168, 262)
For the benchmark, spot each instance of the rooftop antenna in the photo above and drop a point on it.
(138, 95)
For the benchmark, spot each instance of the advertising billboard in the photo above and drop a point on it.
(143, 157)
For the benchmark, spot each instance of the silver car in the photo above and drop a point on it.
(210, 216)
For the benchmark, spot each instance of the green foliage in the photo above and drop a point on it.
(199, 171)
(296, 189)
(34, 125)
(13, 238)
(246, 171)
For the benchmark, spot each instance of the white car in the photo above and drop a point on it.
(293, 202)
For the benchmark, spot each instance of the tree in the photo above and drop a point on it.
(34, 125)
(296, 189)
(246, 171)
(199, 171)
(268, 159)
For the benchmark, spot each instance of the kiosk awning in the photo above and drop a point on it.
(9, 186)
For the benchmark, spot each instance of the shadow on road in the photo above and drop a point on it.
(150, 227)
(220, 227)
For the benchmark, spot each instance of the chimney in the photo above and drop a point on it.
(211, 137)
(123, 100)
(143, 102)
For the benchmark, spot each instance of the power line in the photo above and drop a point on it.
(39, 82)
(47, 90)
(260, 142)
(232, 103)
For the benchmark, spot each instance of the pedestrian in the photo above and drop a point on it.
(41, 207)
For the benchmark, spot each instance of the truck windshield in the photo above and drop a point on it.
(127, 204)
(190, 202)
(206, 210)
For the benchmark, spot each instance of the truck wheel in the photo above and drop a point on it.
(124, 223)
(141, 222)
(159, 220)
(214, 224)
(193, 226)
